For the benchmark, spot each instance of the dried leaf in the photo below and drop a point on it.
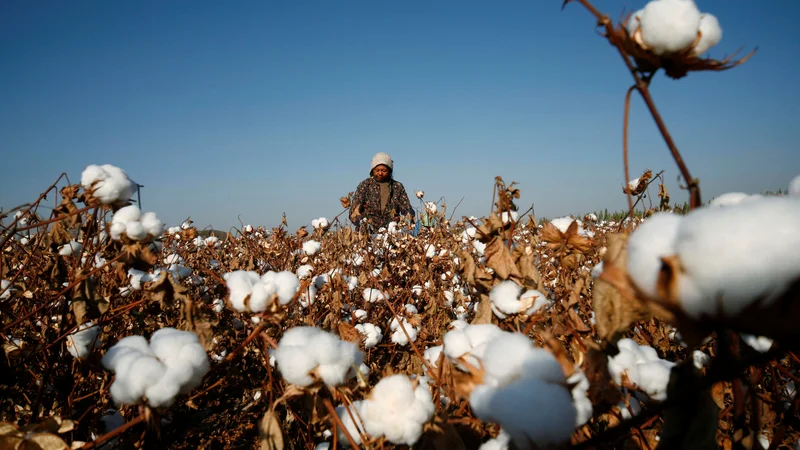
(165, 289)
(44, 441)
(499, 259)
(550, 234)
(484, 311)
(349, 333)
(270, 436)
(139, 256)
(302, 232)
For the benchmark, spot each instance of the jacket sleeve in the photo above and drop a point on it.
(357, 202)
(404, 205)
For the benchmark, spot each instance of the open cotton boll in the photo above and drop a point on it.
(152, 224)
(136, 369)
(643, 368)
(285, 283)
(372, 295)
(372, 334)
(710, 34)
(583, 406)
(430, 251)
(499, 443)
(505, 297)
(735, 255)
(319, 223)
(308, 296)
(240, 284)
(760, 344)
(459, 342)
(109, 184)
(397, 410)
(305, 353)
(530, 410)
(70, 248)
(794, 187)
(398, 336)
(632, 25)
(304, 271)
(85, 339)
(509, 356)
(669, 26)
(186, 364)
(652, 240)
(733, 198)
(539, 300)
(347, 414)
(311, 247)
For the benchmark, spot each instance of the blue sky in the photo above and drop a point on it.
(255, 108)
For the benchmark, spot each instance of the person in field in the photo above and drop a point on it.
(379, 199)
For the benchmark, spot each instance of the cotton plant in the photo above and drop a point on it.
(672, 26)
(107, 183)
(307, 355)
(724, 262)
(642, 367)
(250, 292)
(396, 409)
(172, 363)
(82, 341)
(137, 226)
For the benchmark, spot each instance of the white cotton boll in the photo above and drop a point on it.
(240, 284)
(669, 26)
(642, 367)
(468, 234)
(654, 377)
(372, 334)
(218, 305)
(311, 247)
(305, 349)
(711, 34)
(499, 443)
(398, 336)
(430, 251)
(70, 248)
(130, 213)
(397, 410)
(652, 240)
(449, 297)
(286, 283)
(117, 229)
(540, 300)
(335, 357)
(308, 296)
(152, 224)
(304, 271)
(529, 410)
(319, 223)
(360, 314)
(480, 247)
(135, 231)
(410, 309)
(794, 187)
(737, 254)
(432, 354)
(85, 339)
(583, 406)
(759, 343)
(506, 218)
(733, 198)
(597, 270)
(108, 183)
(563, 223)
(507, 354)
(505, 297)
(456, 344)
(5, 289)
(700, 359)
(372, 295)
(347, 414)
(634, 22)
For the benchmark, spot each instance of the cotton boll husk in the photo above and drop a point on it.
(652, 240)
(711, 34)
(669, 26)
(152, 224)
(505, 296)
(738, 254)
(539, 301)
(529, 410)
(308, 296)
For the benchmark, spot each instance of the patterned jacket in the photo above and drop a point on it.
(366, 204)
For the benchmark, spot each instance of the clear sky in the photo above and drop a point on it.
(255, 108)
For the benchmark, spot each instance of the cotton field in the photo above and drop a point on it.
(495, 332)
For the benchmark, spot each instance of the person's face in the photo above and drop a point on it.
(381, 172)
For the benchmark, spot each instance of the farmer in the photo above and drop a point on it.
(379, 199)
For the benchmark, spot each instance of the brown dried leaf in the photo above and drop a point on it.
(484, 311)
(530, 278)
(165, 289)
(43, 441)
(302, 232)
(550, 234)
(270, 436)
(349, 333)
(499, 259)
(139, 256)
(9, 429)
(489, 228)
